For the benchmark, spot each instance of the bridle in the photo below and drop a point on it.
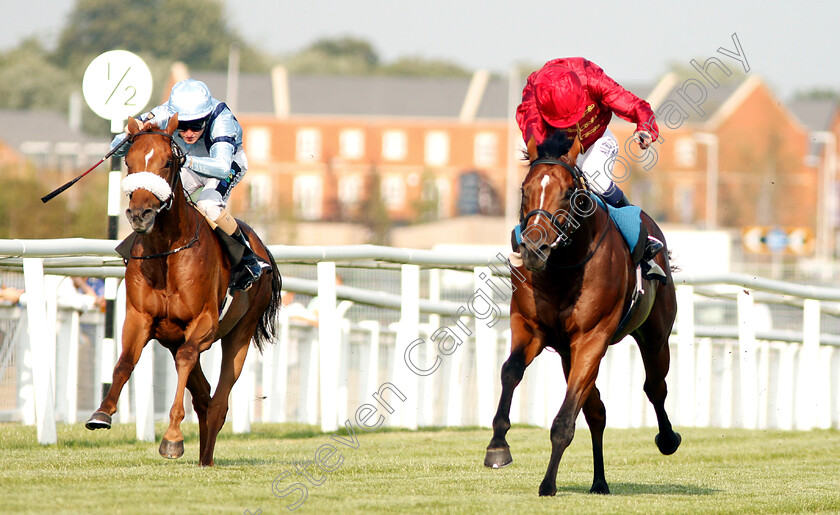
(178, 159)
(569, 224)
(175, 163)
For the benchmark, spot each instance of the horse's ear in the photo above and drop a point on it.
(572, 154)
(532, 149)
(173, 124)
(133, 125)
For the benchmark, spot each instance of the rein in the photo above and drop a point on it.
(567, 227)
(177, 161)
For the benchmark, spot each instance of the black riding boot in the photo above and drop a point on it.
(245, 269)
(249, 268)
(615, 197)
(650, 269)
(652, 248)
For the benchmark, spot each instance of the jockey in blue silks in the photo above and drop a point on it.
(211, 139)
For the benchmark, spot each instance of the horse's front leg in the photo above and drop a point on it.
(586, 356)
(198, 336)
(135, 336)
(525, 346)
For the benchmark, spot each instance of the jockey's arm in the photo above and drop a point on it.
(217, 165)
(225, 137)
(623, 103)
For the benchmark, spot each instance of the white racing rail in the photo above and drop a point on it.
(761, 362)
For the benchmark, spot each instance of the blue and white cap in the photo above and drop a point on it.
(191, 99)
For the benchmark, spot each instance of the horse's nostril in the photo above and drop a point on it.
(147, 212)
(544, 248)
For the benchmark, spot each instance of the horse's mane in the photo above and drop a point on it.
(555, 146)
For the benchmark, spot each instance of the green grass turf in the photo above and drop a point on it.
(428, 471)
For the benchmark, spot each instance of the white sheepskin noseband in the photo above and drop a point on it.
(148, 181)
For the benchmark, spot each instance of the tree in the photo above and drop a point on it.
(28, 80)
(344, 55)
(419, 67)
(352, 56)
(20, 199)
(193, 32)
(818, 94)
(687, 71)
(374, 211)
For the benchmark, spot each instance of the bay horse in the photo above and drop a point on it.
(573, 295)
(176, 281)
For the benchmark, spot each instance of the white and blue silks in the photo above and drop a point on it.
(214, 164)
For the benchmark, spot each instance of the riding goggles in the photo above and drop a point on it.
(192, 125)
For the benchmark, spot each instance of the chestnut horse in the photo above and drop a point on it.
(572, 295)
(176, 282)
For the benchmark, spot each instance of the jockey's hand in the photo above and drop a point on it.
(643, 138)
(147, 125)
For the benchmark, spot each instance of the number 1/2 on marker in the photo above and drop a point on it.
(118, 83)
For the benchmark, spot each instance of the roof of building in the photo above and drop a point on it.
(715, 98)
(815, 114)
(18, 127)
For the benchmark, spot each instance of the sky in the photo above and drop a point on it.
(792, 46)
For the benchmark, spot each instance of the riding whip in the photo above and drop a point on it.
(55, 193)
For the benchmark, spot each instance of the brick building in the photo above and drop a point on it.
(443, 148)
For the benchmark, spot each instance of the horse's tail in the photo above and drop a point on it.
(671, 262)
(267, 326)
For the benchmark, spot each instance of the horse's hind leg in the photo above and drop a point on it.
(523, 352)
(657, 362)
(234, 351)
(200, 390)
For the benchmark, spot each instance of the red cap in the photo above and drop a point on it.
(560, 98)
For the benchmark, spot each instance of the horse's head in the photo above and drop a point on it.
(554, 197)
(152, 176)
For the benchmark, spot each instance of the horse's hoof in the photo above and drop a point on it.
(600, 487)
(498, 458)
(547, 488)
(99, 420)
(171, 450)
(668, 446)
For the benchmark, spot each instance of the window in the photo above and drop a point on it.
(260, 191)
(393, 192)
(437, 148)
(351, 143)
(307, 192)
(308, 147)
(486, 149)
(350, 190)
(259, 144)
(685, 150)
(684, 203)
(394, 145)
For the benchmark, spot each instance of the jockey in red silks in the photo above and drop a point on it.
(575, 95)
